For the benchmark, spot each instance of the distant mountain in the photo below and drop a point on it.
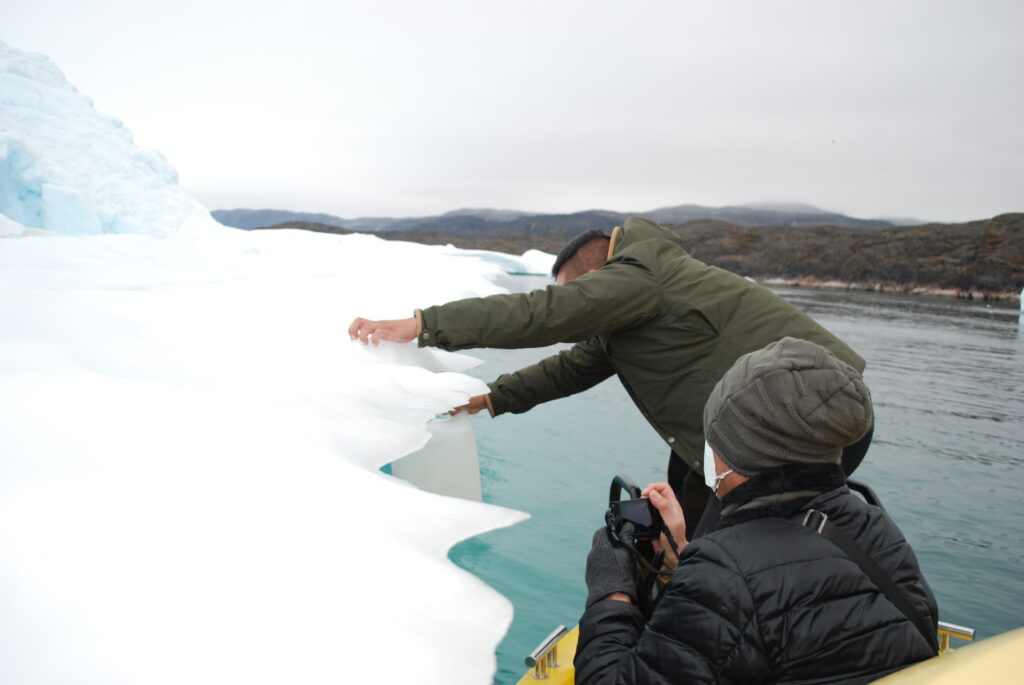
(902, 220)
(511, 222)
(765, 214)
(791, 207)
(309, 226)
(249, 219)
(488, 214)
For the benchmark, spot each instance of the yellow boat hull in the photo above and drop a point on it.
(993, 661)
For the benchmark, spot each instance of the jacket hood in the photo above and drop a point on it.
(637, 230)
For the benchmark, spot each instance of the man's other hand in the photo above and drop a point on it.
(664, 500)
(475, 404)
(610, 570)
(395, 330)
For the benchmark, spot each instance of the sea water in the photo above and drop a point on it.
(947, 461)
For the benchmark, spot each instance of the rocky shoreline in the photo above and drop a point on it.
(895, 288)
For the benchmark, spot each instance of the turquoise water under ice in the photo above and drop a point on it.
(947, 377)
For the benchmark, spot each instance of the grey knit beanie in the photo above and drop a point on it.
(792, 401)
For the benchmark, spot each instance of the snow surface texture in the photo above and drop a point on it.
(190, 444)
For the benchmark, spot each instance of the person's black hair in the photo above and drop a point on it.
(573, 247)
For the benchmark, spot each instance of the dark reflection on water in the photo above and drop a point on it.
(947, 459)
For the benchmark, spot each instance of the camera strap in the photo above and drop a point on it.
(671, 540)
(818, 520)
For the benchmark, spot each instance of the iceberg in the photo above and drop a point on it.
(190, 444)
(65, 167)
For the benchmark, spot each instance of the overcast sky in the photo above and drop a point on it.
(404, 108)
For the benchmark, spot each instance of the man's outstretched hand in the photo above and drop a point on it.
(475, 404)
(395, 330)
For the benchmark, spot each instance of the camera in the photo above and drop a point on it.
(635, 524)
(646, 520)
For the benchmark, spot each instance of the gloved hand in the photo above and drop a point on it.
(610, 568)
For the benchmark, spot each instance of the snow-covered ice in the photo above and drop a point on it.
(190, 444)
(531, 262)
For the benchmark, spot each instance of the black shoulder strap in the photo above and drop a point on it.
(819, 521)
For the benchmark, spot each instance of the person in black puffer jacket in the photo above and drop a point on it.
(763, 598)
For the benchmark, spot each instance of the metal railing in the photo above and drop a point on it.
(951, 630)
(545, 655)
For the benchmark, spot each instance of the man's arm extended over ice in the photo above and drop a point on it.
(617, 296)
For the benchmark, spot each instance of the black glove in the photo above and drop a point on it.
(610, 568)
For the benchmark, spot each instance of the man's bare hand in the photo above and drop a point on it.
(395, 330)
(475, 404)
(664, 500)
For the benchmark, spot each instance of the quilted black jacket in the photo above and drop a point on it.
(763, 599)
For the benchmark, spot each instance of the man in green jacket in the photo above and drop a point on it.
(638, 306)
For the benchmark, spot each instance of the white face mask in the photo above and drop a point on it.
(711, 479)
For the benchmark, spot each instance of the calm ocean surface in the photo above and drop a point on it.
(947, 460)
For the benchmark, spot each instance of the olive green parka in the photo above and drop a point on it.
(667, 324)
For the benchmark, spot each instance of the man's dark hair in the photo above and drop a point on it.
(570, 250)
